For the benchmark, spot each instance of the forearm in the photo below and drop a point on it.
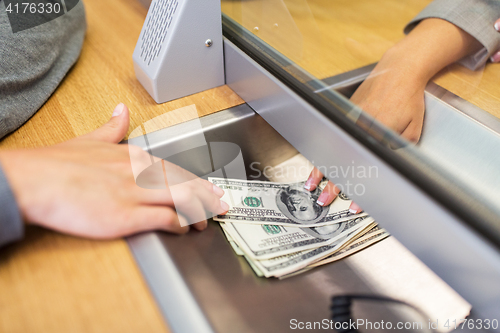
(394, 91)
(432, 45)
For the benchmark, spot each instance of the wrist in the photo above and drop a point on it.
(404, 61)
(431, 46)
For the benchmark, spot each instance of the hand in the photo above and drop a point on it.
(394, 91)
(86, 187)
(496, 57)
(393, 96)
(329, 193)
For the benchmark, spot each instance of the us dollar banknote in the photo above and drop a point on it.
(289, 205)
(287, 264)
(373, 236)
(264, 241)
(281, 231)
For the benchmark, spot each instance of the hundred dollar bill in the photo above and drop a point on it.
(371, 237)
(269, 241)
(258, 202)
(356, 246)
(348, 249)
(238, 251)
(254, 267)
(233, 244)
(287, 264)
(374, 229)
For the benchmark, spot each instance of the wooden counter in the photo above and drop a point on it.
(55, 283)
(327, 38)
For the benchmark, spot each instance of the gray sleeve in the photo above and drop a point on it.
(11, 223)
(33, 62)
(476, 17)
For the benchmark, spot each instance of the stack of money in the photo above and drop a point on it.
(282, 231)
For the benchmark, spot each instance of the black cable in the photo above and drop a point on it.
(342, 312)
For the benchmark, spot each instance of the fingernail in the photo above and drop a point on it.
(323, 198)
(495, 57)
(309, 185)
(497, 26)
(354, 208)
(118, 110)
(218, 191)
(224, 206)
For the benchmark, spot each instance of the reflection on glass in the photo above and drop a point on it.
(401, 72)
(328, 38)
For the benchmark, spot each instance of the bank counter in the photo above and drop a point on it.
(290, 69)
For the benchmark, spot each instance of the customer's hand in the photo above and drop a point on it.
(394, 91)
(394, 95)
(86, 187)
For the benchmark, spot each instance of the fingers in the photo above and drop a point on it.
(354, 208)
(496, 56)
(189, 211)
(193, 209)
(393, 121)
(202, 190)
(314, 179)
(193, 198)
(195, 202)
(217, 191)
(177, 175)
(115, 129)
(413, 131)
(182, 196)
(329, 193)
(146, 218)
(182, 200)
(214, 189)
(200, 226)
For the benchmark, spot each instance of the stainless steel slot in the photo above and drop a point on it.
(198, 281)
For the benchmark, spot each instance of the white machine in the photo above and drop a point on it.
(180, 51)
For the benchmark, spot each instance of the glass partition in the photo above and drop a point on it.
(411, 80)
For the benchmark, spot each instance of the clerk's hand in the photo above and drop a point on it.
(86, 187)
(330, 192)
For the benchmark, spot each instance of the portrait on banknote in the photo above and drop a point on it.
(300, 205)
(327, 231)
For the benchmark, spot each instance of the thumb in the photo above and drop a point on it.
(115, 129)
